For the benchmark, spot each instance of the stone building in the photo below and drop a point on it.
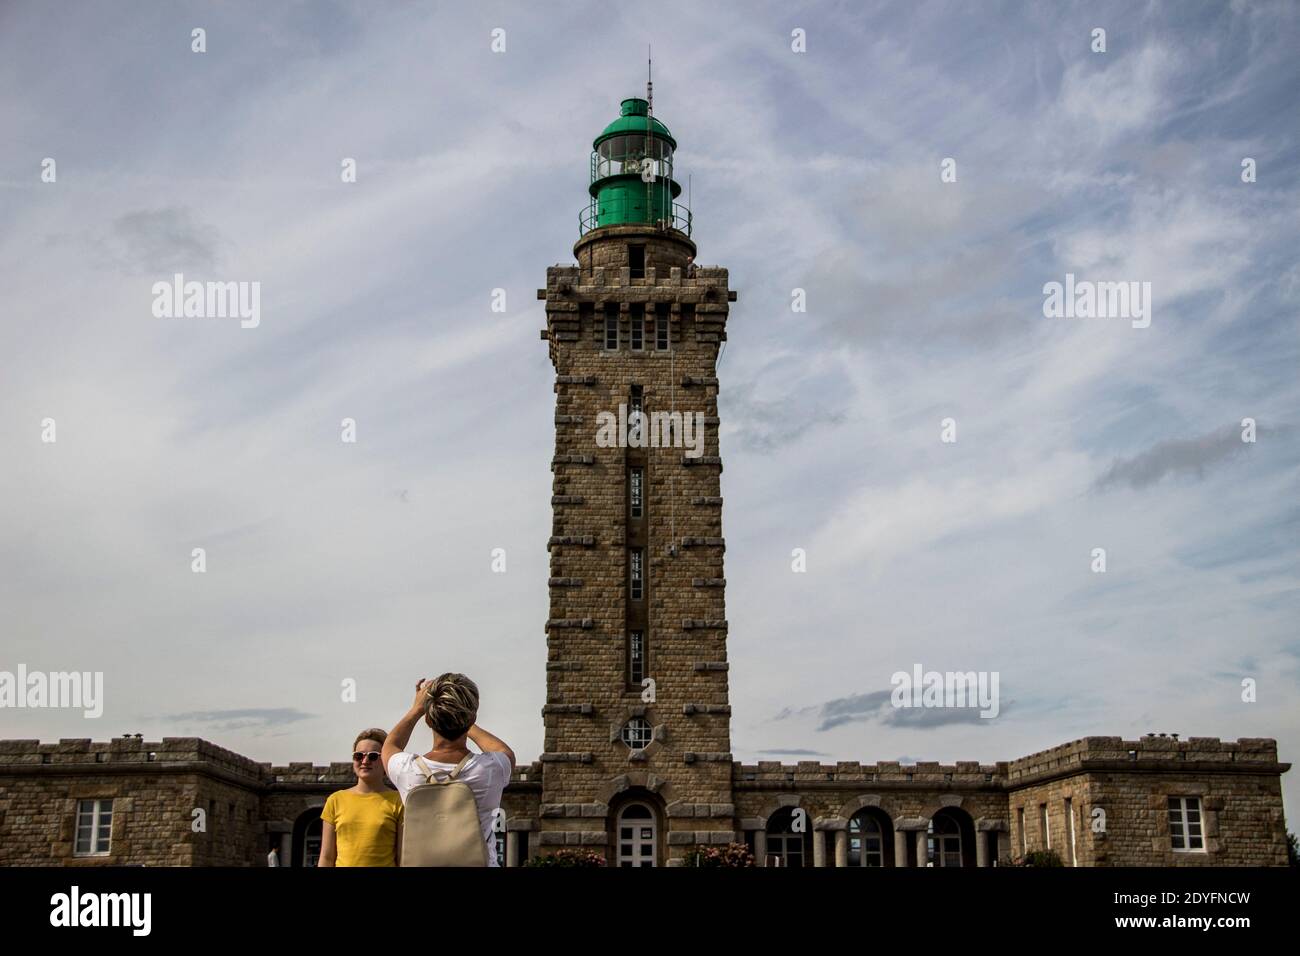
(636, 761)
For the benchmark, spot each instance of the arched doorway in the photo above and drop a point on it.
(951, 838)
(637, 836)
(787, 846)
(871, 838)
(306, 838)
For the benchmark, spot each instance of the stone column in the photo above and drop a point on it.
(922, 851)
(760, 847)
(286, 848)
(512, 848)
(900, 848)
(981, 847)
(819, 847)
(842, 847)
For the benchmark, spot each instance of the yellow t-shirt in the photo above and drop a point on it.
(365, 826)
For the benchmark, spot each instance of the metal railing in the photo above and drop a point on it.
(588, 219)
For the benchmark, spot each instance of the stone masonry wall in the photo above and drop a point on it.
(157, 785)
(1067, 834)
(1130, 781)
(908, 795)
(686, 769)
(154, 785)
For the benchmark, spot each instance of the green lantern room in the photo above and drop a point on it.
(632, 174)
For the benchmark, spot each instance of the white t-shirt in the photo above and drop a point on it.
(486, 774)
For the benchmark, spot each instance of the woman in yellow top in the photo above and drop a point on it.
(363, 824)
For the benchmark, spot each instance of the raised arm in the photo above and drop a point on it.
(400, 735)
(487, 741)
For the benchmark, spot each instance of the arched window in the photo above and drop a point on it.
(306, 839)
(871, 839)
(637, 843)
(787, 846)
(944, 841)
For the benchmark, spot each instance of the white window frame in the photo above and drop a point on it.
(636, 574)
(862, 834)
(629, 847)
(637, 328)
(644, 730)
(1046, 825)
(636, 493)
(636, 655)
(101, 812)
(940, 845)
(1183, 827)
(1069, 829)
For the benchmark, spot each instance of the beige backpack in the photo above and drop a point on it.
(442, 826)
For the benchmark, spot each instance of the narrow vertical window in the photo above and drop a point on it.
(636, 312)
(611, 326)
(636, 261)
(636, 656)
(636, 479)
(1069, 830)
(636, 574)
(1020, 825)
(1043, 826)
(662, 341)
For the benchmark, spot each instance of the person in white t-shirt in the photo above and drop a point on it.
(449, 705)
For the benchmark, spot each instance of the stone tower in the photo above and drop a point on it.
(636, 761)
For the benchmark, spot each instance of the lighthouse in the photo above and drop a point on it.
(636, 762)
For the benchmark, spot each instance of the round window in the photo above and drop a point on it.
(637, 733)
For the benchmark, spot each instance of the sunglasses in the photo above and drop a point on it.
(370, 756)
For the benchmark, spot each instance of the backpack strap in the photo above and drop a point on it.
(463, 760)
(430, 773)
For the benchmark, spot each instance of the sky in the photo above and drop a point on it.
(821, 171)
